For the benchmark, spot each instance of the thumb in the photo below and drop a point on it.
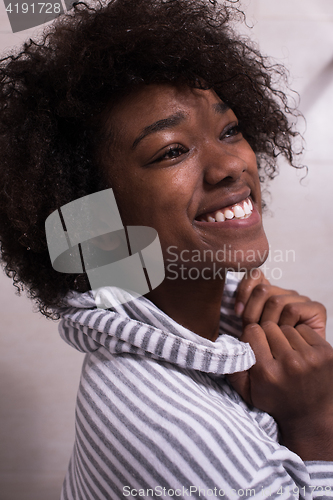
(240, 381)
(246, 287)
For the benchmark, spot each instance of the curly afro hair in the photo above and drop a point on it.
(52, 97)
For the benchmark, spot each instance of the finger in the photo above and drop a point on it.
(277, 341)
(260, 294)
(275, 304)
(311, 336)
(312, 314)
(256, 337)
(249, 282)
(295, 339)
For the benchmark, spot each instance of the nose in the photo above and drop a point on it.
(222, 163)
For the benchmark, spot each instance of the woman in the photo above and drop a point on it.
(162, 103)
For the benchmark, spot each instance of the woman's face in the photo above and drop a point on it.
(180, 164)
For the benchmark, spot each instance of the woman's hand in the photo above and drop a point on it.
(293, 381)
(257, 301)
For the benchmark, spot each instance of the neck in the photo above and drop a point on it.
(193, 304)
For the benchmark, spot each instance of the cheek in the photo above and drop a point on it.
(153, 196)
(143, 200)
(162, 190)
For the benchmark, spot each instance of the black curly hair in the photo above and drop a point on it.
(53, 97)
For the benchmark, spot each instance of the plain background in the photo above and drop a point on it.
(40, 373)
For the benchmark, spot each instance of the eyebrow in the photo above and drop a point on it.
(221, 107)
(172, 121)
(164, 124)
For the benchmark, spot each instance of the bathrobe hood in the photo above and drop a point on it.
(134, 325)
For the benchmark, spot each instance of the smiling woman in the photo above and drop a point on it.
(184, 152)
(162, 102)
(59, 98)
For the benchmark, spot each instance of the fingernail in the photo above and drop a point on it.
(239, 308)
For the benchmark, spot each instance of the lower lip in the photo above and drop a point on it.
(234, 223)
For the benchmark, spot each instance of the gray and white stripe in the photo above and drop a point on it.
(155, 411)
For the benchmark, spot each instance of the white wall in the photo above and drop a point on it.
(39, 372)
(39, 376)
(299, 34)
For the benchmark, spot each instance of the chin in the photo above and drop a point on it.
(247, 257)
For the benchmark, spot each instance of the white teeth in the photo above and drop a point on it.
(246, 208)
(219, 216)
(238, 211)
(228, 214)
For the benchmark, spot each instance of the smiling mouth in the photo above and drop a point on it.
(241, 210)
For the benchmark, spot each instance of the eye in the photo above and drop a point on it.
(232, 130)
(171, 153)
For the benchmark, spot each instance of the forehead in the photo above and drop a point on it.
(159, 94)
(150, 103)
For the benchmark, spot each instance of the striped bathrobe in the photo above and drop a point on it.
(155, 416)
